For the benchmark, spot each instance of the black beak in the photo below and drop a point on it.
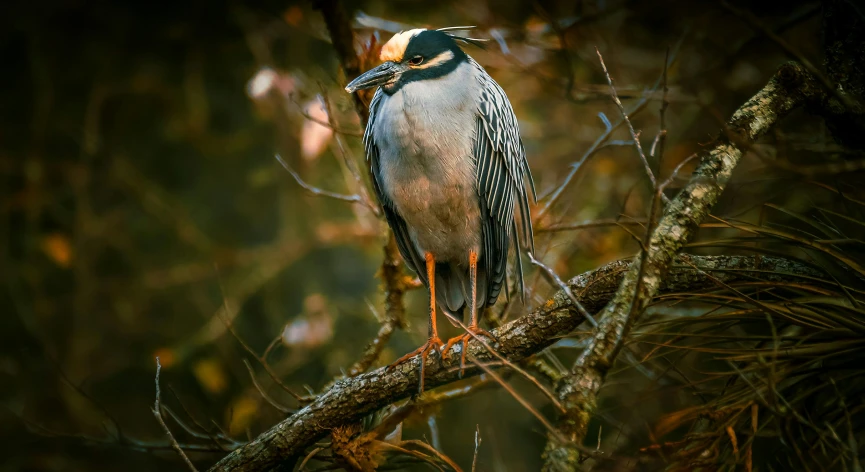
(374, 77)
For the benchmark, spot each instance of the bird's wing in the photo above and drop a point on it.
(412, 258)
(501, 169)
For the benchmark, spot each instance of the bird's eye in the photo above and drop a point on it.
(416, 61)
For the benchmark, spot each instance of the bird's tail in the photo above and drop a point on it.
(454, 289)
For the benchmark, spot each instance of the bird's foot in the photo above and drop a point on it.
(432, 344)
(471, 331)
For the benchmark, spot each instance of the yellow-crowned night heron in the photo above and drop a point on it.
(447, 166)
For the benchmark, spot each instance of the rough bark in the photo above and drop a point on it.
(350, 399)
(791, 87)
(342, 37)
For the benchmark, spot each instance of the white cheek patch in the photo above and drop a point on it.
(438, 60)
(394, 49)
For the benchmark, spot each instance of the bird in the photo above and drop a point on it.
(449, 170)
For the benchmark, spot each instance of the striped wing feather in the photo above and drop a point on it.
(501, 169)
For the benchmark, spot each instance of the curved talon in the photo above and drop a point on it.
(464, 339)
(433, 343)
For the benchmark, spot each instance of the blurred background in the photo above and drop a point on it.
(143, 213)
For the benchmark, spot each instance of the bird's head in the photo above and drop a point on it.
(408, 56)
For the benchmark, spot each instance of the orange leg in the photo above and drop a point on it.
(433, 343)
(472, 328)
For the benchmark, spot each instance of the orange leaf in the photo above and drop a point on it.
(293, 15)
(606, 167)
(166, 356)
(58, 248)
(754, 418)
(242, 413)
(675, 419)
(733, 441)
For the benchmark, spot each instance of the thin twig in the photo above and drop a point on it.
(553, 196)
(657, 150)
(601, 223)
(666, 183)
(431, 398)
(634, 135)
(131, 444)
(348, 159)
(374, 348)
(508, 363)
(441, 456)
(192, 432)
(117, 429)
(329, 123)
(261, 391)
(260, 359)
(477, 447)
(338, 23)
(215, 438)
(564, 287)
(317, 191)
(157, 412)
(419, 455)
(525, 403)
(309, 457)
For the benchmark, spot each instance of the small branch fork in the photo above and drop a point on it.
(634, 135)
(553, 196)
(356, 198)
(790, 88)
(157, 412)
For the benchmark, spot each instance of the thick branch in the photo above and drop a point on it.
(351, 399)
(791, 87)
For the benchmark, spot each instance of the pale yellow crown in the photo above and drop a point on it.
(394, 49)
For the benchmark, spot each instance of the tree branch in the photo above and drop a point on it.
(350, 399)
(791, 87)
